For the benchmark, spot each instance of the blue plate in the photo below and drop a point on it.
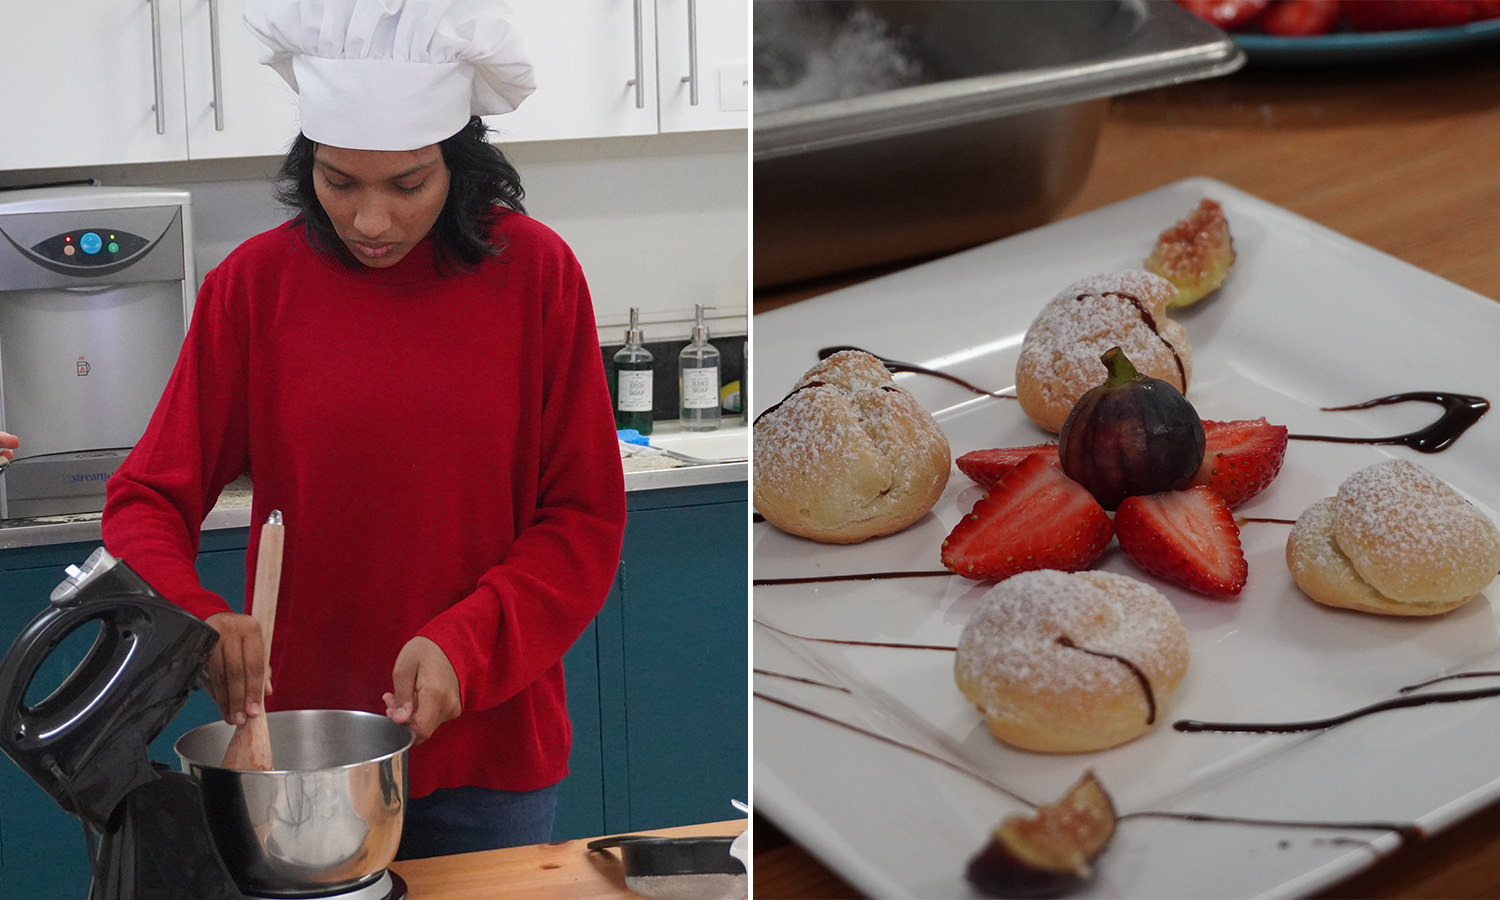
(1351, 46)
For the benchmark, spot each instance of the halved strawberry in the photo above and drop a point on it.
(1034, 517)
(1186, 537)
(988, 466)
(1240, 459)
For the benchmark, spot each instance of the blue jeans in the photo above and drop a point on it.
(466, 819)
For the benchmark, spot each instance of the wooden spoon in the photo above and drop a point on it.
(250, 747)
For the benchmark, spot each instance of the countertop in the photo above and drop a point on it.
(233, 508)
(1402, 157)
(562, 871)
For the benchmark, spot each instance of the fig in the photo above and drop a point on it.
(1131, 435)
(1195, 254)
(1050, 853)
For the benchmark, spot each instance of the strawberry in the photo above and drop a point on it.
(1240, 458)
(1230, 15)
(1186, 537)
(987, 466)
(1398, 15)
(1300, 18)
(1034, 517)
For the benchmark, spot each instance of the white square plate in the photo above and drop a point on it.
(1308, 319)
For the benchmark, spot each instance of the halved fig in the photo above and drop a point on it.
(1050, 853)
(1195, 254)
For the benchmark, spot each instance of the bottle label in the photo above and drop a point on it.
(635, 391)
(700, 388)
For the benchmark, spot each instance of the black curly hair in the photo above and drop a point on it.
(482, 184)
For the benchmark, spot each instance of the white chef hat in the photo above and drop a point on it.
(393, 74)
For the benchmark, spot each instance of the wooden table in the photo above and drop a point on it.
(1404, 158)
(561, 871)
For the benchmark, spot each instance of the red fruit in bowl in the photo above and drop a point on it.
(1300, 18)
(1131, 435)
(1230, 15)
(1035, 517)
(1399, 15)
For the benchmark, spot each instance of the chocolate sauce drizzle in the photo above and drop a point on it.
(1459, 412)
(1135, 670)
(1412, 687)
(895, 365)
(777, 405)
(1408, 832)
(1150, 321)
(799, 679)
(867, 576)
(1321, 724)
(820, 640)
(1405, 831)
(895, 743)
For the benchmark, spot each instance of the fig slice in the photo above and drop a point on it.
(1049, 853)
(1195, 254)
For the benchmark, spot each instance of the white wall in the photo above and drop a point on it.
(658, 222)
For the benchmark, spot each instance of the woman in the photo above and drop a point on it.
(409, 371)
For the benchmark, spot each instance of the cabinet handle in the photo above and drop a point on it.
(159, 107)
(639, 81)
(218, 71)
(691, 78)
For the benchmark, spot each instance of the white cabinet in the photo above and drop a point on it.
(702, 53)
(99, 82)
(234, 105)
(606, 68)
(585, 55)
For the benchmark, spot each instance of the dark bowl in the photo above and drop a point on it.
(644, 855)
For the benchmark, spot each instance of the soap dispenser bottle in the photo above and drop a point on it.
(698, 380)
(632, 388)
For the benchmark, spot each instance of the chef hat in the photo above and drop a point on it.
(393, 74)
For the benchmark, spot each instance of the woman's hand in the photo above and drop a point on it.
(426, 688)
(8, 444)
(237, 676)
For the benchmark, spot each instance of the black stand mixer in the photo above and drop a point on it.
(86, 743)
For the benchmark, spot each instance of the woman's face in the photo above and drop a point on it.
(381, 202)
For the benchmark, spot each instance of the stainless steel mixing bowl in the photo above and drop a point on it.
(327, 819)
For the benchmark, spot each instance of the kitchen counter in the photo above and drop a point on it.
(1401, 157)
(233, 508)
(560, 871)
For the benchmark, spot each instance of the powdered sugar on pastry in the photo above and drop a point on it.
(1059, 358)
(1054, 660)
(1396, 539)
(848, 454)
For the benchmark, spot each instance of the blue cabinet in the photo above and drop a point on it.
(670, 668)
(657, 684)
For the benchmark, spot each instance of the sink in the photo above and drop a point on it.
(723, 444)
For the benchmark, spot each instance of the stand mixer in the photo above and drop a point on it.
(86, 743)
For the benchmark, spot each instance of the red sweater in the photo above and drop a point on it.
(442, 449)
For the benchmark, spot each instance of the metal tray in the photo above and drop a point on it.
(993, 135)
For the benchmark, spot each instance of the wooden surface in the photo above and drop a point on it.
(1404, 158)
(561, 871)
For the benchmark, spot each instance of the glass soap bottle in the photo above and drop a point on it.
(698, 380)
(632, 387)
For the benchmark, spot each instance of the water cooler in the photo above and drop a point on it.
(96, 290)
